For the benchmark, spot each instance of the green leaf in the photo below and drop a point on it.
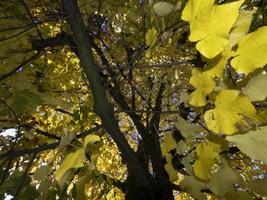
(151, 37)
(30, 193)
(182, 147)
(41, 173)
(193, 187)
(219, 144)
(258, 186)
(187, 129)
(19, 103)
(256, 88)
(187, 162)
(238, 195)
(4, 92)
(13, 181)
(163, 8)
(80, 186)
(223, 180)
(253, 143)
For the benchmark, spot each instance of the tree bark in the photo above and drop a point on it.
(139, 186)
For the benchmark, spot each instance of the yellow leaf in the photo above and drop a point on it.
(206, 25)
(207, 154)
(231, 110)
(217, 65)
(204, 81)
(241, 26)
(252, 52)
(168, 144)
(77, 158)
(203, 84)
(197, 13)
(90, 139)
(151, 37)
(206, 159)
(170, 169)
(198, 98)
(72, 160)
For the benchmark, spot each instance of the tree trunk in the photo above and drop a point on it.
(102, 107)
(139, 185)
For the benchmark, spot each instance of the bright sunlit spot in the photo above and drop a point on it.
(9, 132)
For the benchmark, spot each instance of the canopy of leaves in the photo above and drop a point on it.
(133, 99)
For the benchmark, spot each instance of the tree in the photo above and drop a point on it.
(133, 99)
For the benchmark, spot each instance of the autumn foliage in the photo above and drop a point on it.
(133, 100)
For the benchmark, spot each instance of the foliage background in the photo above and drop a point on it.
(195, 124)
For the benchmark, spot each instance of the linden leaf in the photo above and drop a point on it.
(193, 187)
(217, 38)
(182, 148)
(169, 168)
(168, 144)
(237, 195)
(187, 129)
(204, 81)
(163, 8)
(90, 139)
(42, 172)
(207, 157)
(77, 158)
(241, 26)
(66, 139)
(91, 145)
(258, 186)
(151, 37)
(217, 65)
(80, 186)
(256, 88)
(205, 24)
(218, 144)
(253, 143)
(252, 52)
(223, 180)
(231, 110)
(204, 85)
(198, 12)
(72, 160)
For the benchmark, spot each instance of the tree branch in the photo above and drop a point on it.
(13, 154)
(22, 65)
(101, 104)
